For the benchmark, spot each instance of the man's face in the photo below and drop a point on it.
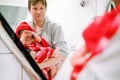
(38, 11)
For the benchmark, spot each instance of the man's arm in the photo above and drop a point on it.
(52, 60)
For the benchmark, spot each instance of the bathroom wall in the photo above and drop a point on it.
(74, 18)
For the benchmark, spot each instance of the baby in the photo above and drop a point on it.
(39, 49)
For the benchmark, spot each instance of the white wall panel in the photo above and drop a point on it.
(3, 47)
(10, 69)
(22, 3)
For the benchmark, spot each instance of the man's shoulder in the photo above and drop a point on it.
(52, 23)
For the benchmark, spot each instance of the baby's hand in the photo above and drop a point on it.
(33, 54)
(35, 35)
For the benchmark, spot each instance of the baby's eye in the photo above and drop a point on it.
(33, 36)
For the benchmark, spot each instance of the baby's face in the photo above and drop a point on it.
(27, 35)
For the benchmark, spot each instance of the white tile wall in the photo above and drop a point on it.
(10, 68)
(3, 47)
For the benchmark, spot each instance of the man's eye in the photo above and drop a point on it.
(41, 8)
(34, 8)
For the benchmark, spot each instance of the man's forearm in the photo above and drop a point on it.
(50, 62)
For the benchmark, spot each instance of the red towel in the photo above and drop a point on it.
(23, 26)
(96, 36)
